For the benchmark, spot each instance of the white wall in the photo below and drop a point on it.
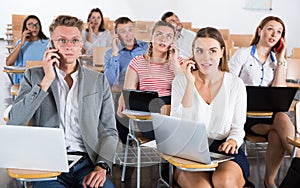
(218, 13)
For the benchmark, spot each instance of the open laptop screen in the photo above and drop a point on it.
(274, 99)
(141, 100)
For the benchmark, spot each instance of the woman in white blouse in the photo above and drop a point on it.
(95, 35)
(207, 92)
(263, 64)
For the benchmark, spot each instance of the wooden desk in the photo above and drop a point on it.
(11, 70)
(185, 165)
(31, 174)
(289, 84)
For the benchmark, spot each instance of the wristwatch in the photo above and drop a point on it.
(105, 166)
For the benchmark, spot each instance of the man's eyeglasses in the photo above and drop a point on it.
(31, 25)
(64, 42)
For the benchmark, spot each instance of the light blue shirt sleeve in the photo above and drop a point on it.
(115, 67)
(111, 66)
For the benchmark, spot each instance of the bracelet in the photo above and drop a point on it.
(281, 63)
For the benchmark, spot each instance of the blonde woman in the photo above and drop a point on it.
(156, 70)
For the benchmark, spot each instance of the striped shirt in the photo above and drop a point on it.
(154, 76)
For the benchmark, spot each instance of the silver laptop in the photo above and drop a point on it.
(184, 138)
(34, 148)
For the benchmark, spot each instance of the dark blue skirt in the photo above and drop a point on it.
(239, 158)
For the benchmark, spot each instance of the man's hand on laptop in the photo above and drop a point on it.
(96, 178)
(229, 146)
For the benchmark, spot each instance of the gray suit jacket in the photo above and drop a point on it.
(96, 110)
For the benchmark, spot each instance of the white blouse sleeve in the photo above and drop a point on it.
(178, 89)
(237, 132)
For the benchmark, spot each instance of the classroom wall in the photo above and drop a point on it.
(218, 13)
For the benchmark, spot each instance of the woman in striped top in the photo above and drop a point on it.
(156, 70)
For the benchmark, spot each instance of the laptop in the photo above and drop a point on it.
(184, 138)
(141, 102)
(270, 99)
(34, 148)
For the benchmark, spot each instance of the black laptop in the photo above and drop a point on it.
(137, 100)
(270, 99)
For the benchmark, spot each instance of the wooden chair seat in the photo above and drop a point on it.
(294, 141)
(255, 139)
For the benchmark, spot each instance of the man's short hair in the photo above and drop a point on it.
(166, 15)
(65, 20)
(122, 20)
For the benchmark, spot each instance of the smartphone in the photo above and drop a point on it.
(51, 46)
(171, 50)
(196, 66)
(28, 36)
(278, 47)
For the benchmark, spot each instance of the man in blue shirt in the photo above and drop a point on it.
(124, 48)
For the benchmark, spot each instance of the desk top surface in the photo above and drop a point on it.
(186, 164)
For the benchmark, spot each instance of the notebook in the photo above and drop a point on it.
(34, 148)
(141, 102)
(184, 138)
(273, 99)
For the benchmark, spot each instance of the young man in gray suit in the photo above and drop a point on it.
(63, 94)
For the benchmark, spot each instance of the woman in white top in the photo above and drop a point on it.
(95, 35)
(208, 93)
(263, 64)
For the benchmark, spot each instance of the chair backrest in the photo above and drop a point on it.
(30, 64)
(142, 35)
(297, 117)
(241, 40)
(187, 25)
(98, 55)
(17, 24)
(293, 69)
(296, 53)
(165, 109)
(144, 26)
(225, 33)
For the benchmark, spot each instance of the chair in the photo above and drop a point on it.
(144, 26)
(241, 40)
(139, 155)
(296, 53)
(98, 56)
(225, 33)
(187, 25)
(17, 23)
(143, 35)
(14, 90)
(293, 70)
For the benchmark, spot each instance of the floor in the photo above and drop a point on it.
(149, 173)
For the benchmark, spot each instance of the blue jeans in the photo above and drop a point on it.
(73, 178)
